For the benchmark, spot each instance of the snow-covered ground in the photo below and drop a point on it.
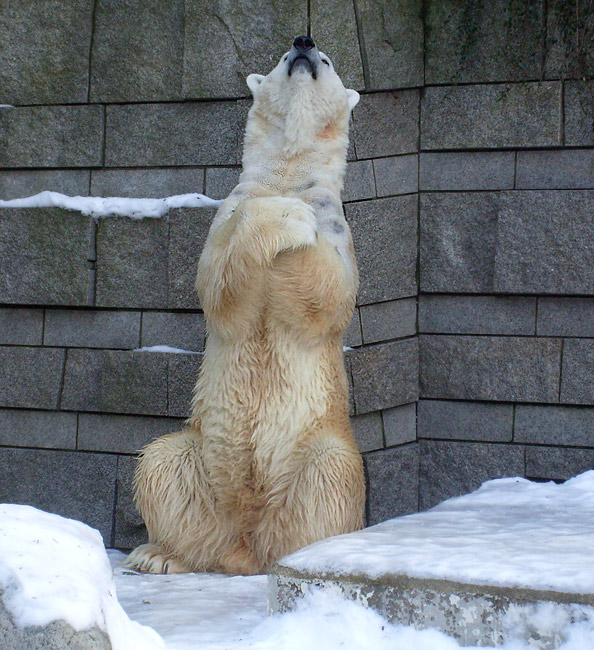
(97, 206)
(52, 568)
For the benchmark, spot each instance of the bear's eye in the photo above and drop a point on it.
(285, 57)
(326, 61)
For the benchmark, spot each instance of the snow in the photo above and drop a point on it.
(510, 532)
(53, 568)
(166, 349)
(113, 206)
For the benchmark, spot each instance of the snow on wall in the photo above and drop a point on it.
(96, 206)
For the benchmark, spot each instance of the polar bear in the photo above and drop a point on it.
(267, 463)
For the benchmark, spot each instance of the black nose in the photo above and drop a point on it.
(303, 43)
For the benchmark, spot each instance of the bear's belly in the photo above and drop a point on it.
(256, 401)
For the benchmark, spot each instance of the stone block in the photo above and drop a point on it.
(392, 40)
(34, 244)
(397, 175)
(184, 331)
(569, 40)
(115, 382)
(220, 181)
(51, 136)
(68, 483)
(386, 124)
(21, 326)
(554, 425)
(577, 379)
(348, 354)
(471, 41)
(565, 316)
(393, 476)
(383, 321)
(188, 228)
(558, 464)
(137, 51)
(451, 469)
(122, 434)
(507, 242)
(182, 376)
(504, 369)
(467, 170)
(53, 636)
(476, 421)
(46, 429)
(31, 377)
(333, 25)
(458, 241)
(385, 375)
(491, 116)
(544, 242)
(579, 113)
(476, 314)
(369, 431)
(147, 183)
(15, 184)
(400, 424)
(385, 237)
(352, 337)
(130, 530)
(92, 328)
(147, 135)
(44, 49)
(556, 169)
(358, 181)
(132, 263)
(242, 38)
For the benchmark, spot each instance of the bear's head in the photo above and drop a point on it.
(300, 103)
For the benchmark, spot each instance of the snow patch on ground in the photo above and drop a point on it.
(510, 532)
(52, 568)
(97, 206)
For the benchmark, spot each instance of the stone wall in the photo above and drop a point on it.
(469, 194)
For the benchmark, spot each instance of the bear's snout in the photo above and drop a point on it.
(304, 54)
(303, 43)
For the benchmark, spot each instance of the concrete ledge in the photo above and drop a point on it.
(473, 614)
(506, 564)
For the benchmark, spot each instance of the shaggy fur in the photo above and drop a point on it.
(267, 463)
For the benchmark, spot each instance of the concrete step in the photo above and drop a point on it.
(512, 560)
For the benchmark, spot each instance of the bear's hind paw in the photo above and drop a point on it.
(150, 558)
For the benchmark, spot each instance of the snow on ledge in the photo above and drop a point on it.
(166, 349)
(99, 207)
(53, 568)
(511, 532)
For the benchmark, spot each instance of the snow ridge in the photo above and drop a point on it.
(100, 207)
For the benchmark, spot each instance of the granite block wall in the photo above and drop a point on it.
(469, 191)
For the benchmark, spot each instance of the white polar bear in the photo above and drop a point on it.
(268, 462)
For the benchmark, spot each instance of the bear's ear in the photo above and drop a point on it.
(253, 81)
(352, 98)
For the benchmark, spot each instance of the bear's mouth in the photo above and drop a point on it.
(302, 61)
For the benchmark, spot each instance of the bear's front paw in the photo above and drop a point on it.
(300, 224)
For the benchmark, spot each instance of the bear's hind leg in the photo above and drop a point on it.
(150, 558)
(175, 500)
(321, 494)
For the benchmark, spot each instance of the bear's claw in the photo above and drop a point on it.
(150, 558)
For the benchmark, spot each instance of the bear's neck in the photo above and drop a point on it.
(319, 166)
